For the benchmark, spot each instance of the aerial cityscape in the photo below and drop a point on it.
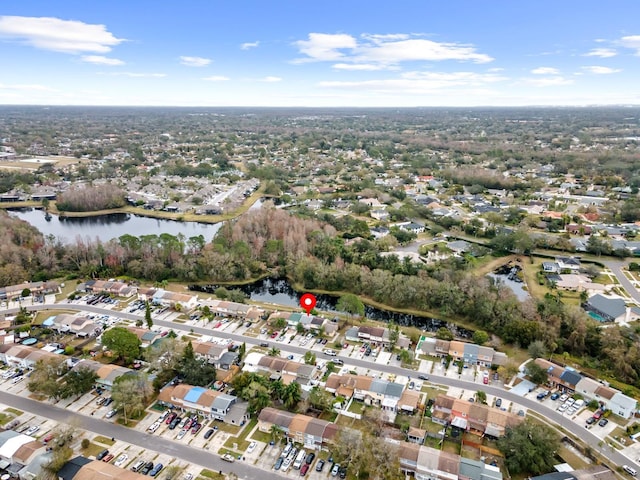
(325, 240)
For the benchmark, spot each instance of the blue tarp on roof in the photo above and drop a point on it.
(194, 394)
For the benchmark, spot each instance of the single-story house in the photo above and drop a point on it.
(207, 402)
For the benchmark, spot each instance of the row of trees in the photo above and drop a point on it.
(91, 198)
(261, 392)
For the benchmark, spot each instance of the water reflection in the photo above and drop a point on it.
(280, 292)
(113, 225)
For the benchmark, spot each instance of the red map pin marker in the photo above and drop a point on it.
(308, 302)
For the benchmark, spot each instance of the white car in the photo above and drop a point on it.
(252, 447)
(154, 426)
(32, 430)
(17, 379)
(563, 397)
(121, 459)
(563, 407)
(182, 433)
(571, 411)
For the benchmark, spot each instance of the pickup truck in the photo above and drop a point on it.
(228, 458)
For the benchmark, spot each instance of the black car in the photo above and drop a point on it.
(278, 463)
(147, 468)
(174, 423)
(102, 454)
(209, 433)
(591, 420)
(342, 472)
(603, 422)
(423, 377)
(310, 457)
(319, 465)
(499, 402)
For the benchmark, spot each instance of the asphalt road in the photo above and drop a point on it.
(614, 457)
(150, 442)
(616, 268)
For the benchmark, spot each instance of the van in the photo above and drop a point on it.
(137, 466)
(629, 470)
(299, 459)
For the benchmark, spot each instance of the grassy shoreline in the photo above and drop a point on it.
(179, 217)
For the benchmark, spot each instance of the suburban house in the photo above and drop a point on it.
(11, 455)
(287, 370)
(117, 288)
(33, 456)
(309, 322)
(212, 352)
(11, 292)
(210, 403)
(467, 352)
(24, 356)
(472, 417)
(159, 296)
(568, 263)
(107, 374)
(427, 463)
(146, 337)
(372, 391)
(568, 379)
(311, 432)
(610, 309)
(80, 326)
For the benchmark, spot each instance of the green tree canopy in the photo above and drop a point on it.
(529, 448)
(122, 342)
(536, 373)
(351, 304)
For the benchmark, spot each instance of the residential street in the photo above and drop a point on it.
(190, 454)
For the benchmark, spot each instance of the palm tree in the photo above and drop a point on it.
(291, 395)
(276, 433)
(274, 352)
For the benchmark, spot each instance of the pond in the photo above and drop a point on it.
(280, 292)
(113, 225)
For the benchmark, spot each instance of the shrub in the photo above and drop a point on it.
(85, 443)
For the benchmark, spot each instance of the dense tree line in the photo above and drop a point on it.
(91, 198)
(307, 251)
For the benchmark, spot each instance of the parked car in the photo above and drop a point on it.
(334, 470)
(176, 421)
(342, 472)
(210, 432)
(304, 469)
(603, 422)
(182, 433)
(310, 457)
(108, 458)
(121, 460)
(102, 454)
(555, 396)
(320, 465)
(563, 397)
(195, 428)
(278, 463)
(252, 447)
(591, 420)
(171, 417)
(499, 402)
(147, 468)
(156, 470)
(32, 430)
(111, 413)
(138, 466)
(47, 439)
(228, 458)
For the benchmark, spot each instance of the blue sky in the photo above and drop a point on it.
(328, 53)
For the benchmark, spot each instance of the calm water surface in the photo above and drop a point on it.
(114, 225)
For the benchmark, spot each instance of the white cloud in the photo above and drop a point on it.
(25, 87)
(248, 45)
(325, 46)
(601, 52)
(101, 60)
(67, 36)
(553, 81)
(421, 82)
(195, 61)
(631, 41)
(362, 66)
(134, 74)
(271, 79)
(545, 71)
(216, 78)
(600, 70)
(383, 50)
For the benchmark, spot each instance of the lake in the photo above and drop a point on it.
(280, 292)
(113, 225)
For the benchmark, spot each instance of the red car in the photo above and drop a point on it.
(597, 415)
(48, 438)
(170, 418)
(196, 428)
(303, 470)
(108, 458)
